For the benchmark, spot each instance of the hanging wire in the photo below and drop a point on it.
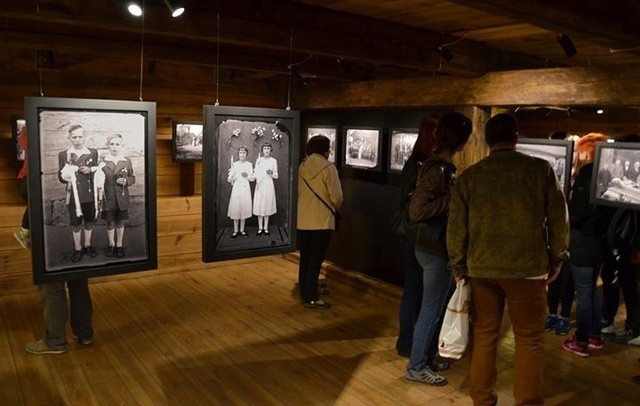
(290, 71)
(448, 44)
(37, 56)
(142, 49)
(217, 103)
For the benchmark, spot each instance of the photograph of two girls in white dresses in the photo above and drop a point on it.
(253, 185)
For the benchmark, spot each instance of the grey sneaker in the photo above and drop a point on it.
(83, 341)
(40, 347)
(425, 375)
(23, 236)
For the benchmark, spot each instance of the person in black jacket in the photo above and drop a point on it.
(412, 283)
(587, 246)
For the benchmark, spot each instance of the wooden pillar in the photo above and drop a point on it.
(476, 148)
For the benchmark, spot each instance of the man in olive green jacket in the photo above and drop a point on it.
(508, 234)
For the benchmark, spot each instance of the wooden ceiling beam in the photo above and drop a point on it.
(614, 86)
(315, 31)
(604, 22)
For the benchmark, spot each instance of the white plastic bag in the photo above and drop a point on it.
(454, 335)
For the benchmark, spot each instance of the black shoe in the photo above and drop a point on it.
(120, 252)
(244, 234)
(89, 251)
(111, 251)
(404, 353)
(317, 304)
(259, 232)
(76, 256)
(235, 234)
(266, 232)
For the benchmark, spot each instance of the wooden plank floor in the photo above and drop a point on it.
(237, 334)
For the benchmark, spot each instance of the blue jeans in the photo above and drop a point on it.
(437, 288)
(588, 302)
(411, 296)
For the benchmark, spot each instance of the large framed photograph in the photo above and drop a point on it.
(362, 148)
(92, 192)
(187, 141)
(616, 172)
(17, 124)
(250, 166)
(558, 153)
(400, 147)
(329, 132)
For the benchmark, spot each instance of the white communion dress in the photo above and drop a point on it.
(240, 200)
(264, 199)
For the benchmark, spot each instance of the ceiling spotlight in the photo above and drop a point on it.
(444, 53)
(176, 9)
(600, 111)
(567, 45)
(134, 8)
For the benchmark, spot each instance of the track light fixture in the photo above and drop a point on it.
(176, 9)
(567, 45)
(135, 9)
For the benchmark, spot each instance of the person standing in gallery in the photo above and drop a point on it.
(499, 209)
(430, 203)
(118, 176)
(77, 165)
(240, 172)
(560, 292)
(589, 224)
(57, 309)
(412, 282)
(319, 198)
(264, 198)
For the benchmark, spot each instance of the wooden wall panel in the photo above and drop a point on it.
(179, 242)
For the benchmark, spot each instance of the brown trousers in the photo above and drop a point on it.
(526, 300)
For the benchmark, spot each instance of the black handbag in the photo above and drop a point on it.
(425, 232)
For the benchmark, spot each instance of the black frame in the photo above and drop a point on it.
(40, 107)
(218, 140)
(568, 156)
(335, 149)
(343, 160)
(174, 138)
(391, 134)
(622, 187)
(15, 134)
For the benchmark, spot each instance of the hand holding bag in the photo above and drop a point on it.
(454, 335)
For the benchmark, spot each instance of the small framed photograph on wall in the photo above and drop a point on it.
(616, 175)
(187, 141)
(17, 124)
(329, 132)
(92, 192)
(249, 182)
(361, 148)
(400, 147)
(559, 154)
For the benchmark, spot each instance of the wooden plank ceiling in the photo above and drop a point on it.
(96, 43)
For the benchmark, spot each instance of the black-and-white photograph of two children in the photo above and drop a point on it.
(249, 175)
(92, 192)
